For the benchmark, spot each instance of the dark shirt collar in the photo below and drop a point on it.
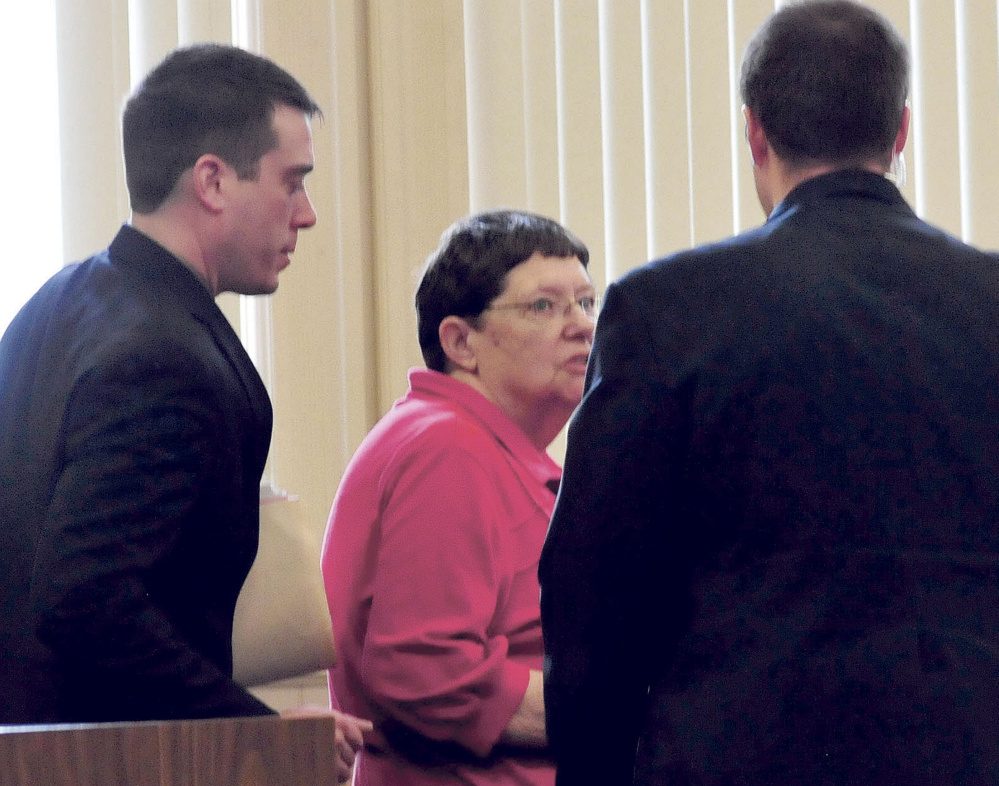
(135, 251)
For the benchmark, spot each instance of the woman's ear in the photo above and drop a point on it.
(454, 333)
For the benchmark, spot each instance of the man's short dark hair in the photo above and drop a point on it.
(207, 98)
(827, 80)
(469, 268)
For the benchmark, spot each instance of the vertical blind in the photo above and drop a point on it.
(29, 201)
(649, 152)
(621, 118)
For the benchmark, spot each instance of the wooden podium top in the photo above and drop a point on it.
(265, 751)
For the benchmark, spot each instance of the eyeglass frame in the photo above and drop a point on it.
(528, 311)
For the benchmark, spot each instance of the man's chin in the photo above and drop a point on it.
(254, 289)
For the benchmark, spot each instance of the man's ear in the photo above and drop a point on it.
(903, 132)
(208, 175)
(454, 333)
(759, 146)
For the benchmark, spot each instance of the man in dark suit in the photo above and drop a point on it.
(133, 426)
(774, 557)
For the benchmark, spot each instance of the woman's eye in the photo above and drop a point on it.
(541, 305)
(588, 303)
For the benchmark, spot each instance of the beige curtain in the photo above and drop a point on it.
(619, 117)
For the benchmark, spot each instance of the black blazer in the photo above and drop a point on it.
(775, 554)
(133, 435)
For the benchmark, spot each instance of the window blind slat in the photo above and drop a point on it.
(622, 113)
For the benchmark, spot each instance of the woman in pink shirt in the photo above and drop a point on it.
(431, 552)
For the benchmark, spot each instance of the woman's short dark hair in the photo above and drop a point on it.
(469, 268)
(827, 80)
(206, 98)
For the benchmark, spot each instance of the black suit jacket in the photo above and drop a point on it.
(133, 434)
(775, 554)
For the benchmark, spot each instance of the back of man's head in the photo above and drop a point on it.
(206, 98)
(827, 80)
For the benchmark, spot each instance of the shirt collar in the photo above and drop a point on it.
(841, 183)
(435, 384)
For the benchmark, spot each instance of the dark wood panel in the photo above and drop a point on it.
(243, 751)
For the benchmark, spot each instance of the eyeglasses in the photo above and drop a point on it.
(546, 309)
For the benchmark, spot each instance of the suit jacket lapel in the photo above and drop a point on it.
(167, 274)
